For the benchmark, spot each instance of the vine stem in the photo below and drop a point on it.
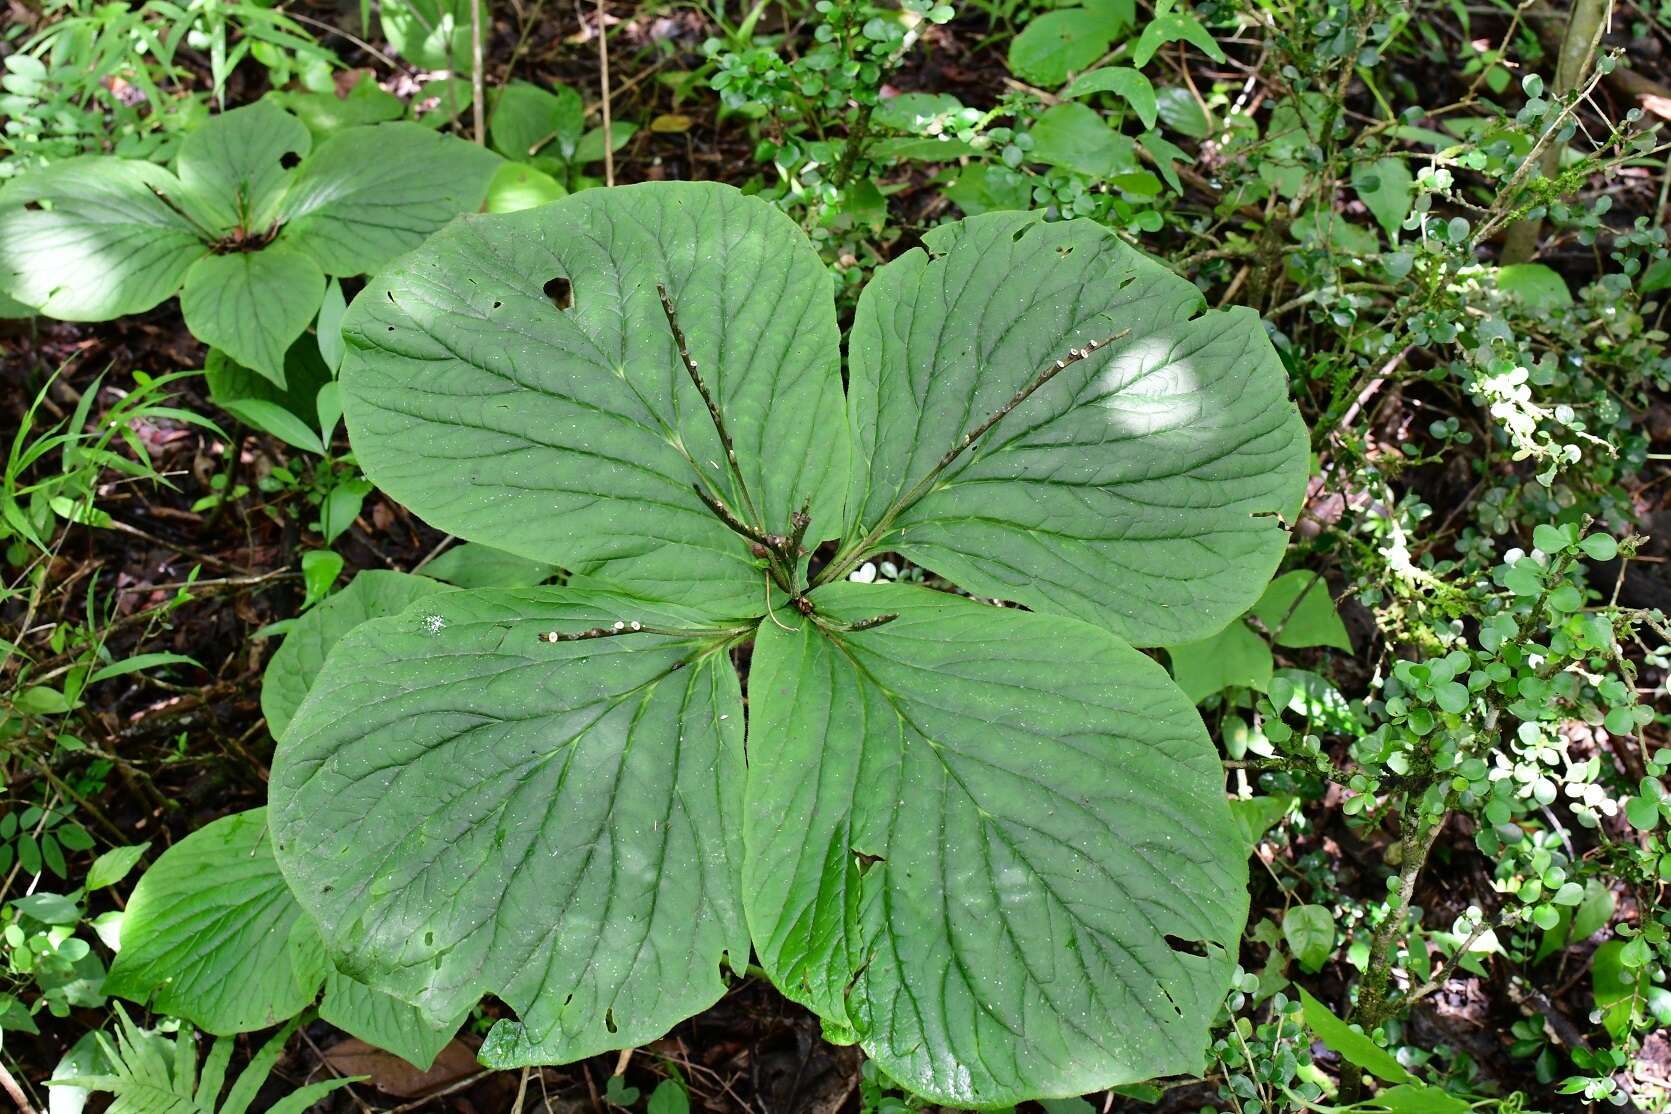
(844, 561)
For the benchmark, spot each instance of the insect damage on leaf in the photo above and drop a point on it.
(1051, 885)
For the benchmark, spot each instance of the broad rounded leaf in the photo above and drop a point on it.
(368, 194)
(253, 304)
(373, 594)
(515, 382)
(468, 809)
(89, 239)
(213, 936)
(1139, 488)
(233, 166)
(991, 845)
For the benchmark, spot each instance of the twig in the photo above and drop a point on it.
(16, 1092)
(707, 397)
(603, 83)
(451, 1088)
(477, 99)
(842, 563)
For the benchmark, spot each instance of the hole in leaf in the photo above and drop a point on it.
(391, 295)
(289, 159)
(561, 292)
(1187, 947)
(1064, 250)
(32, 206)
(429, 939)
(497, 304)
(1171, 1001)
(609, 1020)
(866, 861)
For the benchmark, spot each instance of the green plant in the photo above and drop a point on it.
(246, 229)
(544, 130)
(674, 436)
(149, 1072)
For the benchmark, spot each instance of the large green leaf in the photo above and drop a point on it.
(574, 435)
(89, 239)
(234, 170)
(372, 594)
(368, 194)
(467, 808)
(991, 845)
(1139, 488)
(212, 934)
(253, 305)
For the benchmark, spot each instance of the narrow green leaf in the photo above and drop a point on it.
(1351, 1045)
(139, 662)
(114, 865)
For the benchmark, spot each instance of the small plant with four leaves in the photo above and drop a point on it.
(246, 228)
(990, 844)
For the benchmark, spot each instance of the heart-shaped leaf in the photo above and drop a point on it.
(555, 823)
(993, 846)
(1138, 488)
(532, 353)
(253, 305)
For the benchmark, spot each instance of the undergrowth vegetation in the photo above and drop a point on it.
(855, 556)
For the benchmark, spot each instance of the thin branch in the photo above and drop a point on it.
(629, 626)
(603, 82)
(708, 401)
(843, 562)
(9, 1085)
(726, 515)
(477, 94)
(863, 624)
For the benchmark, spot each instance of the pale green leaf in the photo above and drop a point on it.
(990, 845)
(517, 186)
(212, 935)
(1386, 187)
(1234, 657)
(113, 866)
(1309, 931)
(1536, 286)
(372, 594)
(253, 305)
(368, 194)
(1056, 43)
(1076, 137)
(431, 34)
(574, 435)
(1298, 611)
(1124, 82)
(1139, 488)
(233, 167)
(551, 823)
(528, 121)
(92, 238)
(1350, 1044)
